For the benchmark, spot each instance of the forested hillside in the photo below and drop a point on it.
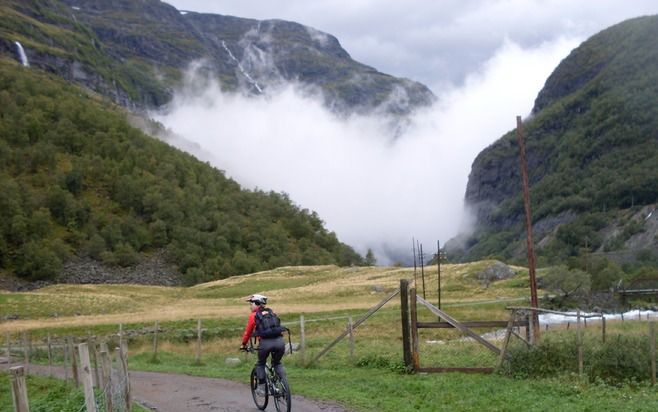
(77, 180)
(592, 149)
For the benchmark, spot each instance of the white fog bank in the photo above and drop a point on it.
(373, 190)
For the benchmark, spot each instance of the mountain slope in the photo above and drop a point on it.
(592, 151)
(78, 182)
(135, 52)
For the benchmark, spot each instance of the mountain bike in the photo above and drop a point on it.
(275, 386)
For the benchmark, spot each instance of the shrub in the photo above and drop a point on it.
(549, 358)
(620, 360)
(125, 255)
(382, 362)
(37, 261)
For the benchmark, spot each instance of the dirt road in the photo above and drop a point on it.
(165, 392)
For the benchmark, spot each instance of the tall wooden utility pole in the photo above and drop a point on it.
(528, 224)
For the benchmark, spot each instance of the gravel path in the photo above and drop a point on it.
(165, 392)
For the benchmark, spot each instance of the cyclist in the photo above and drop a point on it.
(267, 344)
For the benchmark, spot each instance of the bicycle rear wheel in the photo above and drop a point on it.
(282, 397)
(259, 399)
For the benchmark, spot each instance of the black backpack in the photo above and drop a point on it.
(268, 324)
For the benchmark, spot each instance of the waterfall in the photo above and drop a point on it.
(242, 70)
(21, 54)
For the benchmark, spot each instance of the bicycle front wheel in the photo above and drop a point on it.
(260, 398)
(281, 395)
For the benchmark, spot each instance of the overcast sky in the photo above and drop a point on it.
(485, 60)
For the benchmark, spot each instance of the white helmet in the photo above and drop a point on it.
(258, 299)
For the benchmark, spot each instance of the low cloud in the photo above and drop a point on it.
(371, 188)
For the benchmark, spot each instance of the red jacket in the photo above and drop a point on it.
(251, 325)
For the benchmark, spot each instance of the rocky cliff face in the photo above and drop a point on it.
(591, 154)
(134, 51)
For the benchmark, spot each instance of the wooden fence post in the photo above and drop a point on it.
(74, 361)
(8, 339)
(94, 358)
(414, 330)
(197, 360)
(124, 377)
(155, 341)
(106, 366)
(50, 355)
(404, 315)
(65, 350)
(26, 352)
(351, 338)
(528, 333)
(603, 328)
(302, 336)
(652, 339)
(19, 389)
(580, 346)
(30, 347)
(86, 377)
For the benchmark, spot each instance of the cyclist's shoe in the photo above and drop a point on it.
(260, 389)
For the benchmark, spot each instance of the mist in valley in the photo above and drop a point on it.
(375, 186)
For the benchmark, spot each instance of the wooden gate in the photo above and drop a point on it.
(410, 325)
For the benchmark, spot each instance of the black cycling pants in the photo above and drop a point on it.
(275, 346)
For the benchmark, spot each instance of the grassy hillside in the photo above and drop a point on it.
(78, 181)
(299, 289)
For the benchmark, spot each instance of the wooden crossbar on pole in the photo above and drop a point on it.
(356, 325)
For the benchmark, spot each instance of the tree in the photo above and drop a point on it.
(95, 246)
(243, 263)
(74, 181)
(159, 233)
(370, 258)
(36, 261)
(125, 255)
(566, 283)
